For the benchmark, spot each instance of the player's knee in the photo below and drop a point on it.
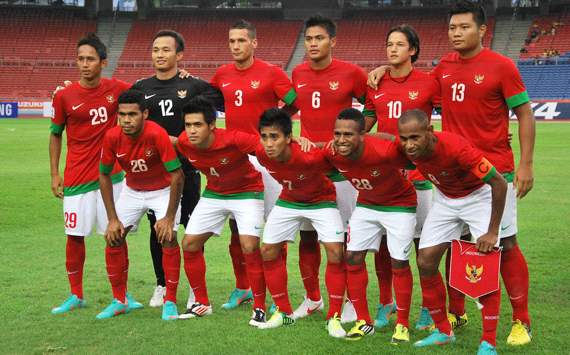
(249, 245)
(335, 253)
(354, 258)
(509, 242)
(399, 264)
(188, 244)
(426, 264)
(270, 252)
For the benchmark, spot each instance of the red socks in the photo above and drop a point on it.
(195, 268)
(490, 316)
(171, 265)
(433, 293)
(357, 282)
(74, 261)
(335, 279)
(309, 264)
(403, 284)
(383, 266)
(514, 271)
(238, 262)
(456, 298)
(116, 261)
(256, 278)
(275, 273)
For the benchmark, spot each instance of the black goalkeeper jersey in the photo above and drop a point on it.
(166, 98)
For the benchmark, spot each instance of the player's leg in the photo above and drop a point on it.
(309, 265)
(207, 219)
(383, 265)
(456, 300)
(424, 196)
(242, 292)
(400, 228)
(157, 298)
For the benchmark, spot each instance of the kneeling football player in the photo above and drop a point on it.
(154, 181)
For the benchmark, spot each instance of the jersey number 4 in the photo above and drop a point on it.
(98, 115)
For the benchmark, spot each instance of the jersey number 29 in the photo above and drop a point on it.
(98, 115)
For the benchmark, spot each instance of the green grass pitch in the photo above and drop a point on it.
(33, 276)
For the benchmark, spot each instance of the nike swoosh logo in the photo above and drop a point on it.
(445, 76)
(503, 228)
(301, 85)
(257, 228)
(271, 172)
(343, 171)
(121, 155)
(339, 232)
(192, 161)
(379, 95)
(146, 97)
(226, 84)
(78, 106)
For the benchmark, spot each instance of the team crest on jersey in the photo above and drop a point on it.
(301, 177)
(413, 95)
(375, 173)
(148, 152)
(473, 273)
(334, 85)
(478, 79)
(224, 161)
(444, 173)
(255, 84)
(110, 98)
(182, 93)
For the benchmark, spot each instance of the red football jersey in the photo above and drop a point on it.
(455, 167)
(86, 114)
(303, 176)
(476, 95)
(225, 163)
(377, 176)
(147, 159)
(395, 96)
(322, 94)
(249, 92)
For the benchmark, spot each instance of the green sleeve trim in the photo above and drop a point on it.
(56, 129)
(490, 175)
(369, 113)
(410, 166)
(404, 209)
(105, 169)
(172, 165)
(91, 186)
(361, 99)
(335, 176)
(422, 184)
(518, 99)
(290, 97)
(249, 195)
(305, 206)
(510, 176)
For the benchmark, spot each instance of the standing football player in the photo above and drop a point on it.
(165, 94)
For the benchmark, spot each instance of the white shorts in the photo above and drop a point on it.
(366, 224)
(425, 201)
(271, 188)
(85, 212)
(447, 217)
(210, 215)
(134, 204)
(283, 224)
(346, 196)
(509, 220)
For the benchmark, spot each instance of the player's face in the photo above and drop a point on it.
(89, 64)
(274, 141)
(463, 32)
(241, 45)
(415, 139)
(164, 56)
(197, 129)
(131, 119)
(318, 43)
(347, 137)
(398, 49)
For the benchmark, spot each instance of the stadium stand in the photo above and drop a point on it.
(38, 47)
(547, 81)
(206, 39)
(548, 39)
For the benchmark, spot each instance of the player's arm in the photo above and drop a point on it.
(369, 112)
(164, 226)
(376, 74)
(487, 172)
(115, 229)
(55, 141)
(212, 94)
(524, 176)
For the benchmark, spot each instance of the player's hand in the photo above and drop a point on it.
(115, 232)
(173, 140)
(57, 186)
(306, 145)
(183, 74)
(164, 229)
(66, 83)
(375, 75)
(524, 180)
(487, 242)
(510, 138)
(330, 146)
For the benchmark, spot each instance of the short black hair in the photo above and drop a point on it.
(245, 25)
(353, 115)
(178, 38)
(132, 96)
(278, 118)
(321, 21)
(469, 7)
(200, 104)
(92, 40)
(411, 36)
(414, 115)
